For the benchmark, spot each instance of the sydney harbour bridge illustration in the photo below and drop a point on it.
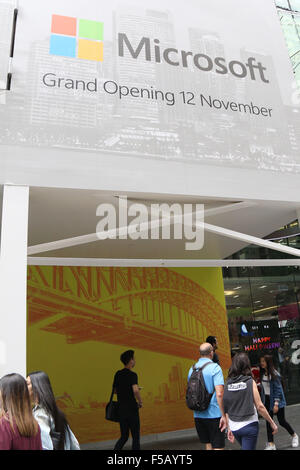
(156, 309)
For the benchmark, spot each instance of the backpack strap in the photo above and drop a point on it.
(201, 368)
(206, 364)
(112, 394)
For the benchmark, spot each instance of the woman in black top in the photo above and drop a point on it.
(274, 399)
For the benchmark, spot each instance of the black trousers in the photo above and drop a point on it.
(281, 420)
(129, 422)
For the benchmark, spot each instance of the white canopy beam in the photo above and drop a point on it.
(175, 263)
(248, 239)
(93, 237)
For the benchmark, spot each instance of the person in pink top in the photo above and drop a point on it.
(18, 428)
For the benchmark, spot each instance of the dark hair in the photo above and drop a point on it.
(270, 366)
(211, 340)
(240, 365)
(15, 405)
(43, 395)
(127, 356)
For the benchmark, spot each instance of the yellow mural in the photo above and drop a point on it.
(80, 319)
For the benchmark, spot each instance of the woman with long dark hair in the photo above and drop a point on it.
(55, 430)
(242, 402)
(273, 397)
(18, 428)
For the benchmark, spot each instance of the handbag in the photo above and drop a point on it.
(112, 409)
(72, 443)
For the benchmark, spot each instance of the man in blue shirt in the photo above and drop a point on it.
(211, 423)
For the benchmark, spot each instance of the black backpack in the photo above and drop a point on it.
(197, 396)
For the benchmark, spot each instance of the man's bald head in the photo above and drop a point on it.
(206, 349)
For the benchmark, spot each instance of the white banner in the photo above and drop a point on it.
(206, 82)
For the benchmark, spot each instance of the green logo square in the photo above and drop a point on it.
(89, 29)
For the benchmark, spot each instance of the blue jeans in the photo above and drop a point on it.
(247, 436)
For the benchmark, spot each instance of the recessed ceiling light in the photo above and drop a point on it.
(229, 292)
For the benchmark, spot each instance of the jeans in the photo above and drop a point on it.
(247, 436)
(129, 422)
(281, 420)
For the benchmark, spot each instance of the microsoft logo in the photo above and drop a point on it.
(71, 37)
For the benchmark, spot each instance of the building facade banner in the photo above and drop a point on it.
(196, 81)
(81, 319)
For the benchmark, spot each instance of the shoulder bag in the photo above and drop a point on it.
(112, 409)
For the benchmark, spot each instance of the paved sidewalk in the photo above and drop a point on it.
(282, 438)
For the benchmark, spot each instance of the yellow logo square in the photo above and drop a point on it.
(90, 50)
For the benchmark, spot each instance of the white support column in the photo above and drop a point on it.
(13, 280)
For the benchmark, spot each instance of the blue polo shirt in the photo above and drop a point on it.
(213, 376)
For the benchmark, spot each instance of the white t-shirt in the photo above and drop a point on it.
(236, 425)
(266, 384)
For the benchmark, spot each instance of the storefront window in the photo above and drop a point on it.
(291, 5)
(289, 14)
(288, 235)
(263, 318)
(282, 4)
(295, 5)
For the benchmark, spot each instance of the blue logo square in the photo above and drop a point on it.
(63, 45)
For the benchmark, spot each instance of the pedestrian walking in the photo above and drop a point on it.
(18, 428)
(242, 403)
(214, 342)
(274, 399)
(210, 423)
(55, 430)
(125, 385)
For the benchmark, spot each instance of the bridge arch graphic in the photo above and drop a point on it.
(156, 309)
